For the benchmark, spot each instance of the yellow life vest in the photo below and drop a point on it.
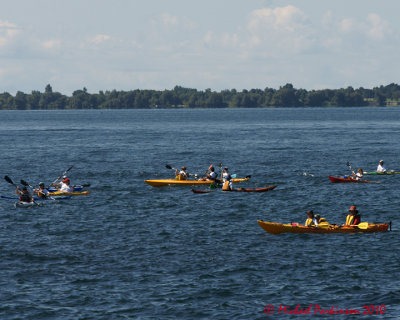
(226, 186)
(349, 220)
(309, 222)
(179, 177)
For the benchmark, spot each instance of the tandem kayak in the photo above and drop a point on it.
(370, 173)
(61, 193)
(277, 228)
(347, 179)
(168, 182)
(239, 190)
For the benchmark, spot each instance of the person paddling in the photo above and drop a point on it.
(65, 186)
(182, 174)
(311, 220)
(42, 192)
(353, 218)
(211, 175)
(359, 175)
(380, 167)
(227, 181)
(24, 194)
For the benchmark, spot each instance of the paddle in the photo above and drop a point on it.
(349, 165)
(63, 174)
(23, 182)
(323, 224)
(8, 179)
(169, 167)
(362, 225)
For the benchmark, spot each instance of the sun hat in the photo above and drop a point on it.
(353, 208)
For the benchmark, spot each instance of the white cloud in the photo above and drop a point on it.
(51, 44)
(99, 38)
(8, 31)
(378, 28)
(168, 19)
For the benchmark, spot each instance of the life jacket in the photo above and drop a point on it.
(226, 186)
(25, 197)
(41, 194)
(309, 222)
(349, 220)
(181, 176)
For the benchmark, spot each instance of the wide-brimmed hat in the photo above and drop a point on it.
(353, 209)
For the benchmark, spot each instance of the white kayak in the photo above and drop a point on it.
(23, 204)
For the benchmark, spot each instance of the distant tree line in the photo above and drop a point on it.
(286, 96)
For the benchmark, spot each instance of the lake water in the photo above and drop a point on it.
(131, 251)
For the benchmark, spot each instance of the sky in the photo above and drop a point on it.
(215, 44)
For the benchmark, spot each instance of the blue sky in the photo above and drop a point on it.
(218, 44)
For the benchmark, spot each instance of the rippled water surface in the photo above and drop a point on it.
(131, 251)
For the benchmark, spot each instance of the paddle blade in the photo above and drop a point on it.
(168, 166)
(363, 225)
(323, 224)
(348, 164)
(69, 169)
(24, 183)
(8, 179)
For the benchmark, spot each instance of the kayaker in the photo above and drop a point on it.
(65, 186)
(380, 167)
(24, 194)
(353, 218)
(227, 181)
(359, 175)
(181, 175)
(311, 220)
(41, 191)
(211, 175)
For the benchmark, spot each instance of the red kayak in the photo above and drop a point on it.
(239, 190)
(346, 180)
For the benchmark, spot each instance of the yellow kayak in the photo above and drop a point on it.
(276, 228)
(167, 182)
(75, 193)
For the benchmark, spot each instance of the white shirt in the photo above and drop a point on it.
(380, 168)
(184, 174)
(65, 188)
(213, 175)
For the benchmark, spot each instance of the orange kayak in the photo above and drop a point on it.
(346, 180)
(277, 228)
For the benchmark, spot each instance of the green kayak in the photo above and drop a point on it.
(370, 173)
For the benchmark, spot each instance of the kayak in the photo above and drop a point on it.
(61, 193)
(277, 228)
(23, 204)
(347, 179)
(76, 188)
(167, 182)
(239, 190)
(381, 173)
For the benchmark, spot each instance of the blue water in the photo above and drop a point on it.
(131, 251)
